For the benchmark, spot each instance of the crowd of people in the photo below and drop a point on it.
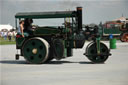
(8, 35)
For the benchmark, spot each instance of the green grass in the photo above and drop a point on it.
(7, 42)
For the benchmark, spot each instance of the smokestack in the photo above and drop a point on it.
(79, 16)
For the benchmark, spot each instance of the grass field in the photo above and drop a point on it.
(6, 42)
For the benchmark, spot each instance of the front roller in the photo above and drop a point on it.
(35, 50)
(95, 56)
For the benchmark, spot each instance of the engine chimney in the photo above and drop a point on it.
(79, 17)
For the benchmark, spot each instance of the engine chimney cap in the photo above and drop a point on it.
(79, 8)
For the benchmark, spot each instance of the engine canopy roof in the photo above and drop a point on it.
(41, 15)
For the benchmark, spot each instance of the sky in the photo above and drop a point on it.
(94, 11)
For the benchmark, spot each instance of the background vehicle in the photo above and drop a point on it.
(118, 28)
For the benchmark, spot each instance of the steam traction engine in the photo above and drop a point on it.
(48, 42)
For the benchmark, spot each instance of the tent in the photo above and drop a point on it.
(122, 19)
(6, 27)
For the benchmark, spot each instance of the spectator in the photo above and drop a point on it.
(2, 34)
(14, 35)
(9, 36)
(5, 35)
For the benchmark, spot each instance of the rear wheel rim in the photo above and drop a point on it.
(121, 37)
(125, 37)
(35, 51)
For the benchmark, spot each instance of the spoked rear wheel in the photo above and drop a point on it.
(91, 53)
(124, 37)
(35, 50)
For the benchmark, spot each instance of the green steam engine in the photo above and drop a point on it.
(45, 43)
